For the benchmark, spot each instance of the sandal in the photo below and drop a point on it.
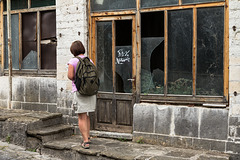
(85, 145)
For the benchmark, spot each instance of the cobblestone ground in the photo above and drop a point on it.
(13, 152)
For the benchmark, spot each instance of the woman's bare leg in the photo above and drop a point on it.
(83, 126)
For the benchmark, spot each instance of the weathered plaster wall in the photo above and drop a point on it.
(71, 25)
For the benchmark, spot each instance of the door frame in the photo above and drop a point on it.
(115, 95)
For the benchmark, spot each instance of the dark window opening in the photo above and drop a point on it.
(123, 56)
(48, 40)
(152, 53)
(29, 41)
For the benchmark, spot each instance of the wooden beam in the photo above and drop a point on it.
(9, 53)
(194, 59)
(134, 58)
(165, 51)
(184, 7)
(2, 37)
(31, 10)
(20, 39)
(38, 36)
(113, 56)
(110, 13)
(138, 43)
(226, 52)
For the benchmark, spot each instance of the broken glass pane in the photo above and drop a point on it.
(180, 35)
(15, 41)
(104, 55)
(152, 67)
(42, 3)
(152, 53)
(29, 43)
(210, 25)
(158, 3)
(200, 1)
(108, 5)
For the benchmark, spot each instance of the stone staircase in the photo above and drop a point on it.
(31, 129)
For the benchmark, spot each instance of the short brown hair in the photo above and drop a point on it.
(77, 48)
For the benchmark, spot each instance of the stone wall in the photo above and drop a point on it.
(234, 73)
(71, 26)
(30, 93)
(181, 126)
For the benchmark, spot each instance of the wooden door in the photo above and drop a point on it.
(113, 50)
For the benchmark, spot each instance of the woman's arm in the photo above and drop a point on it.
(71, 73)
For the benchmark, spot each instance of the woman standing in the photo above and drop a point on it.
(82, 104)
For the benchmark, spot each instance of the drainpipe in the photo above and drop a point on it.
(9, 53)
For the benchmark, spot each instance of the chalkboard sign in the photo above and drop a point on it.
(123, 63)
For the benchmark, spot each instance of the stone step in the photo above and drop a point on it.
(51, 132)
(105, 149)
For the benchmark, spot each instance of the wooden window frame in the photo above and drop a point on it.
(219, 101)
(27, 72)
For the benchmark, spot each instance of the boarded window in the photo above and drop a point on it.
(42, 3)
(152, 53)
(15, 41)
(158, 3)
(106, 5)
(29, 41)
(48, 40)
(104, 58)
(180, 30)
(210, 24)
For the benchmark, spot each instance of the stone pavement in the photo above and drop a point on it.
(102, 148)
(14, 152)
(45, 133)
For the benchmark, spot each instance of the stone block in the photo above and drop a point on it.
(143, 117)
(182, 142)
(32, 90)
(233, 147)
(163, 119)
(232, 73)
(204, 144)
(16, 105)
(234, 121)
(52, 108)
(214, 124)
(48, 91)
(18, 90)
(186, 121)
(34, 107)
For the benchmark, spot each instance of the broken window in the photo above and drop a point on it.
(104, 5)
(152, 54)
(33, 36)
(210, 24)
(180, 35)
